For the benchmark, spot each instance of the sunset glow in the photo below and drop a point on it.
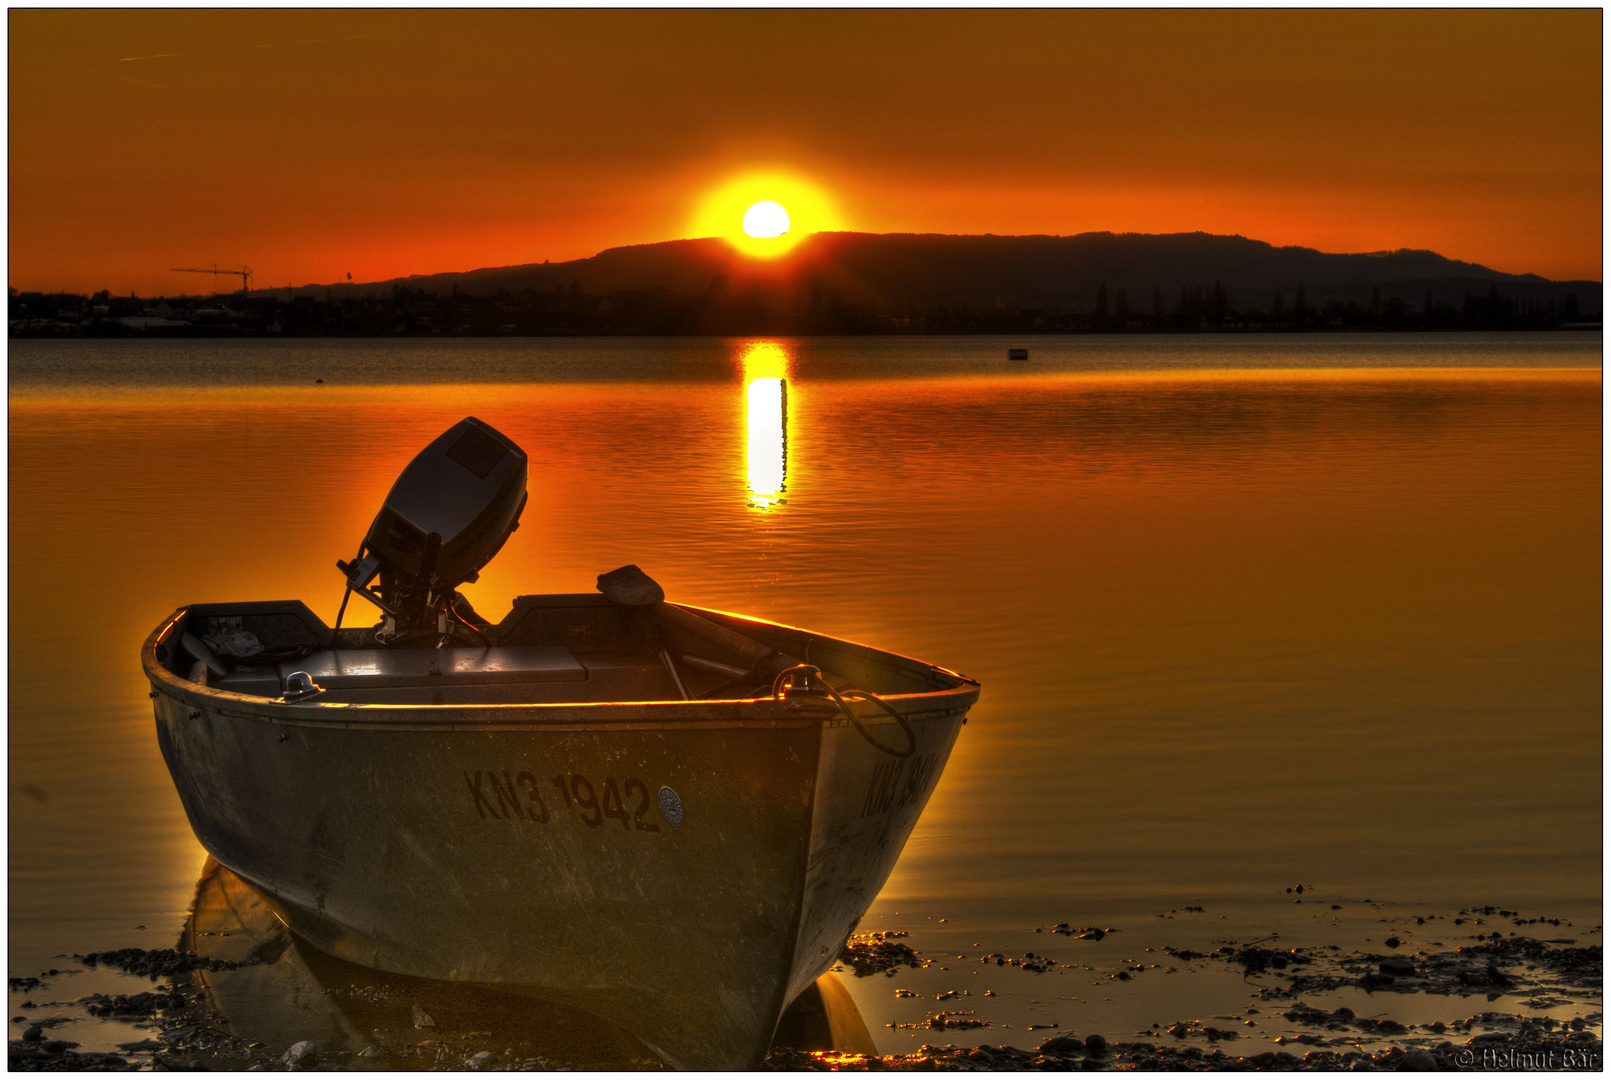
(662, 125)
(749, 213)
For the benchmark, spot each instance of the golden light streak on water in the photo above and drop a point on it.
(766, 419)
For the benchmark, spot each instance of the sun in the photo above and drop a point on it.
(765, 220)
(749, 213)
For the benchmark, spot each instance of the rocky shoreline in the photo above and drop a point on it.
(1542, 998)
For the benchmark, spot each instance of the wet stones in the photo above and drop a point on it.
(140, 1046)
(1489, 976)
(54, 1056)
(169, 1063)
(1420, 1060)
(154, 962)
(1397, 965)
(302, 1053)
(1083, 933)
(877, 954)
(1029, 961)
(1035, 962)
(1253, 958)
(133, 1006)
(1063, 1044)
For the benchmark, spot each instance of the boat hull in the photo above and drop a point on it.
(681, 869)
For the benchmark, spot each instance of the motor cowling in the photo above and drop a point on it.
(446, 516)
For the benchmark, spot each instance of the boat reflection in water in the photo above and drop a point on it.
(766, 424)
(286, 991)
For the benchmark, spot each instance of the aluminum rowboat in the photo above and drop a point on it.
(547, 814)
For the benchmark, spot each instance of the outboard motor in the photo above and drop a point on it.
(445, 518)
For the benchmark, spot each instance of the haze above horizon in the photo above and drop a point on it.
(315, 144)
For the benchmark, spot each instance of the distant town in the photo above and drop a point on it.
(405, 312)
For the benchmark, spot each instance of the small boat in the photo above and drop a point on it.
(667, 816)
(1017, 354)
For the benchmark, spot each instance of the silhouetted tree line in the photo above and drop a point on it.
(812, 309)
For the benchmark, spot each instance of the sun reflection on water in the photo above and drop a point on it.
(766, 418)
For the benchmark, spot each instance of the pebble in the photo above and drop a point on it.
(1398, 965)
(1420, 1060)
(481, 1060)
(1095, 1044)
(1062, 1044)
(33, 1034)
(301, 1053)
(371, 1052)
(422, 1019)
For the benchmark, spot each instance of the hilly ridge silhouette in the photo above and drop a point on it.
(888, 271)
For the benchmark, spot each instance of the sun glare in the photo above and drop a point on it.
(765, 220)
(749, 213)
(766, 424)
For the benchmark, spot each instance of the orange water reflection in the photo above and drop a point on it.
(1252, 621)
(766, 423)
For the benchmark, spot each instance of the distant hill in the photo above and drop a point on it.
(890, 273)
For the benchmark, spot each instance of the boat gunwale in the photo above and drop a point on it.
(764, 713)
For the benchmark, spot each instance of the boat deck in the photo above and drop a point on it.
(548, 650)
(533, 674)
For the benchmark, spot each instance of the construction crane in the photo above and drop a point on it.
(245, 273)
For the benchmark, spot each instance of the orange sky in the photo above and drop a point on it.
(310, 144)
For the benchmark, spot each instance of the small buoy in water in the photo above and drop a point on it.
(318, 380)
(1017, 354)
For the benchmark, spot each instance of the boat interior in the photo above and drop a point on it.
(447, 515)
(546, 650)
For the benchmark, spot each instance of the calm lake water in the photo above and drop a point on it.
(1247, 611)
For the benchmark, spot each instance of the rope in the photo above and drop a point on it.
(860, 695)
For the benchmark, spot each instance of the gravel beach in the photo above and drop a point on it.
(1476, 988)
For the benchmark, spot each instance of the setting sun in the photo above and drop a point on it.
(749, 212)
(766, 220)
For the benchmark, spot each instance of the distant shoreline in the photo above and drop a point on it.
(874, 285)
(114, 330)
